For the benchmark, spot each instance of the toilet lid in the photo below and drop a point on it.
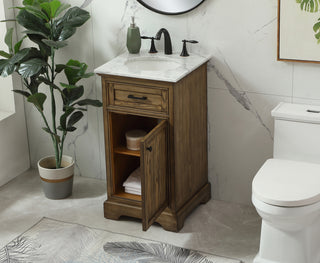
(287, 183)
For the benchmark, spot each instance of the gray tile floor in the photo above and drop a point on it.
(220, 228)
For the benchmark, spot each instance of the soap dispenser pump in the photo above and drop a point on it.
(133, 38)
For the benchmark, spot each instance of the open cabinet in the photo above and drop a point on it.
(151, 158)
(173, 153)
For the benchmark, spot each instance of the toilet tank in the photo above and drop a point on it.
(297, 132)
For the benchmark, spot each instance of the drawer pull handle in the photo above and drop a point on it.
(149, 149)
(137, 98)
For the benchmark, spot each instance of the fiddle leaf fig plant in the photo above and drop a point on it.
(48, 24)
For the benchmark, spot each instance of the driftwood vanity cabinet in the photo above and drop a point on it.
(173, 155)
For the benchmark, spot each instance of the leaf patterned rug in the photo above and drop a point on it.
(56, 242)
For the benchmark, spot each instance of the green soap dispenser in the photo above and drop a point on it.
(133, 38)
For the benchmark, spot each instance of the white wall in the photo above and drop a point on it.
(245, 83)
(6, 95)
(14, 152)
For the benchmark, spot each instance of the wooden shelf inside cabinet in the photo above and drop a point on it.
(126, 151)
(128, 196)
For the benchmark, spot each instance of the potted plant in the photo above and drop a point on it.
(48, 24)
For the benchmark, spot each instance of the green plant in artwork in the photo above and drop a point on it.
(312, 6)
(48, 24)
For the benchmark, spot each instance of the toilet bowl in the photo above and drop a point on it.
(286, 195)
(286, 190)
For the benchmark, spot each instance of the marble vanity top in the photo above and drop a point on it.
(170, 68)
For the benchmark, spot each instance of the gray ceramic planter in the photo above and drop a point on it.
(56, 183)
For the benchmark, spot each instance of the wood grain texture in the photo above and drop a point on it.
(133, 96)
(124, 150)
(190, 135)
(169, 220)
(154, 179)
(136, 81)
(185, 143)
(125, 196)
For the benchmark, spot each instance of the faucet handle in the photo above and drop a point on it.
(153, 47)
(184, 52)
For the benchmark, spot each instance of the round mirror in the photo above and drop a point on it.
(171, 7)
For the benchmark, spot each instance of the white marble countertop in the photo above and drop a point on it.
(148, 66)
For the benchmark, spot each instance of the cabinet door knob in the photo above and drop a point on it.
(149, 148)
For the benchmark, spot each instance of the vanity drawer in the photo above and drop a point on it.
(145, 98)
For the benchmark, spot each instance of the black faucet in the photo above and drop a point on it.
(167, 40)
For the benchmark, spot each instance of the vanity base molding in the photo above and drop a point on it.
(169, 220)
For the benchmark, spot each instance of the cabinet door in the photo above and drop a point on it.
(154, 180)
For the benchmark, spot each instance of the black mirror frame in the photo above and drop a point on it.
(166, 13)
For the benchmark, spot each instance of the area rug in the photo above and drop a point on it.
(55, 241)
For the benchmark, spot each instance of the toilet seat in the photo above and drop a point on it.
(287, 183)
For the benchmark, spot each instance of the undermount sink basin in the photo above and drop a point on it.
(151, 64)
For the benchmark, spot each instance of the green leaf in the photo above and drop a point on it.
(32, 32)
(27, 2)
(34, 2)
(316, 26)
(5, 54)
(74, 118)
(37, 12)
(44, 49)
(24, 54)
(31, 67)
(316, 29)
(71, 95)
(22, 92)
(56, 136)
(74, 17)
(309, 5)
(63, 118)
(54, 6)
(68, 86)
(71, 129)
(50, 8)
(95, 103)
(20, 55)
(46, 8)
(75, 71)
(37, 100)
(3, 62)
(7, 68)
(66, 33)
(8, 39)
(34, 84)
(55, 44)
(17, 46)
(60, 68)
(31, 22)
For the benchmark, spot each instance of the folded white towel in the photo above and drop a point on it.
(132, 191)
(133, 183)
(134, 180)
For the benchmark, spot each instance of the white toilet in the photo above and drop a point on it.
(286, 190)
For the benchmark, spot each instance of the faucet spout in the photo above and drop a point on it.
(167, 40)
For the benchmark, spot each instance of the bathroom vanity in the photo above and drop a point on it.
(166, 96)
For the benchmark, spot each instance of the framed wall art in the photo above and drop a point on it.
(296, 37)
